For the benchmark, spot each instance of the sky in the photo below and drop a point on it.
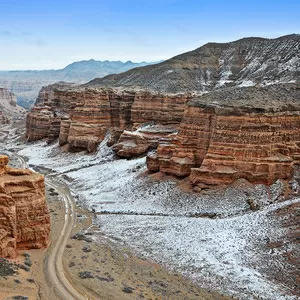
(50, 34)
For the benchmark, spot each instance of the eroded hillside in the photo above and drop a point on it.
(245, 62)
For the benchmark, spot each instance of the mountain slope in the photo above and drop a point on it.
(245, 62)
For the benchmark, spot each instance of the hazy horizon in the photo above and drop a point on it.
(48, 35)
(135, 62)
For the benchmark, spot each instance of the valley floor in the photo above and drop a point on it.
(130, 224)
(96, 270)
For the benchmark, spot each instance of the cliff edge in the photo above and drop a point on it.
(24, 217)
(250, 133)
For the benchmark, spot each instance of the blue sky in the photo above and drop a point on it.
(51, 34)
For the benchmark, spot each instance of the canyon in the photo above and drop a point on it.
(170, 108)
(214, 138)
(249, 133)
(80, 118)
(25, 221)
(209, 183)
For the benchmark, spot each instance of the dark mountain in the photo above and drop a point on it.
(246, 62)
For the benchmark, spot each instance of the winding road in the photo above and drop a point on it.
(53, 262)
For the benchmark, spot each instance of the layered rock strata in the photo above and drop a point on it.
(24, 217)
(135, 143)
(43, 123)
(80, 117)
(250, 133)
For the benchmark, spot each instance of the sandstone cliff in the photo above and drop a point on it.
(24, 217)
(81, 117)
(250, 133)
(227, 133)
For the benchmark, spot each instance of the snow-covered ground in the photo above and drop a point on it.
(160, 222)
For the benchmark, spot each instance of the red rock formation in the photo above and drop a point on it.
(90, 120)
(131, 144)
(135, 143)
(24, 221)
(186, 150)
(64, 131)
(253, 134)
(246, 147)
(224, 135)
(163, 109)
(81, 117)
(42, 123)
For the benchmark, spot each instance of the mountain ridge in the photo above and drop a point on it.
(244, 62)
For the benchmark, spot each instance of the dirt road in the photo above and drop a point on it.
(53, 263)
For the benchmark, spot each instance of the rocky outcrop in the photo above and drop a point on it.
(43, 123)
(24, 217)
(8, 97)
(162, 109)
(224, 135)
(134, 143)
(81, 117)
(250, 133)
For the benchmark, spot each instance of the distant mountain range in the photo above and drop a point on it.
(80, 71)
(26, 84)
(246, 62)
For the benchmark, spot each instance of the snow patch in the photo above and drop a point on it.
(154, 218)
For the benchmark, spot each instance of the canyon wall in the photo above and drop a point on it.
(250, 133)
(24, 217)
(231, 133)
(81, 117)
